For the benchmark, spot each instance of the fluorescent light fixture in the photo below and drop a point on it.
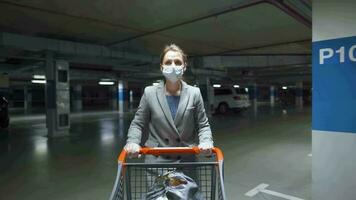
(284, 87)
(106, 82)
(39, 76)
(39, 81)
(236, 86)
(246, 89)
(216, 85)
(155, 83)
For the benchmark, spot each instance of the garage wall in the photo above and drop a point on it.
(334, 101)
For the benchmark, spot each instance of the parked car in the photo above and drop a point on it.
(4, 113)
(230, 98)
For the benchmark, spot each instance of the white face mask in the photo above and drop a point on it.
(173, 73)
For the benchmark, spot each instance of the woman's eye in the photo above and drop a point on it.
(178, 62)
(168, 63)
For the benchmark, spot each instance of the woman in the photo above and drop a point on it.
(173, 112)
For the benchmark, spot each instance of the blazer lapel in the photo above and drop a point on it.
(164, 105)
(183, 103)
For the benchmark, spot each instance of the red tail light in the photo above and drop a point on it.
(237, 98)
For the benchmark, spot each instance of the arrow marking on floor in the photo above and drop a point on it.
(262, 188)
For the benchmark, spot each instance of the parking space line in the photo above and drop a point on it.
(262, 188)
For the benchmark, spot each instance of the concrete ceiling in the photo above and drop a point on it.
(111, 21)
(201, 27)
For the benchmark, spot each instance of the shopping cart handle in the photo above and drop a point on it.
(172, 150)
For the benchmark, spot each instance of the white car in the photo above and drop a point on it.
(226, 98)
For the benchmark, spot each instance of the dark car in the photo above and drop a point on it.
(4, 112)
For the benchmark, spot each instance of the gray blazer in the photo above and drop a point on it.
(189, 127)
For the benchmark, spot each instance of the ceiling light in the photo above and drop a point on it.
(39, 81)
(106, 82)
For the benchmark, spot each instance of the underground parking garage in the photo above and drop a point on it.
(220, 100)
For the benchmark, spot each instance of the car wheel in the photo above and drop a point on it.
(5, 123)
(223, 108)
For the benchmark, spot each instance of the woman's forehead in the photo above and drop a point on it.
(172, 55)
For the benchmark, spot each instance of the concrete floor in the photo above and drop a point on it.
(269, 147)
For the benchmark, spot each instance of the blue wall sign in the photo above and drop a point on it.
(334, 85)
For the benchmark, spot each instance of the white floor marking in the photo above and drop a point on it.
(262, 188)
(41, 125)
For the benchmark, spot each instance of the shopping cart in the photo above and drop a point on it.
(132, 182)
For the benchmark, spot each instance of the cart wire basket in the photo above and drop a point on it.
(132, 182)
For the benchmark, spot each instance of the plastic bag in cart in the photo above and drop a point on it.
(174, 185)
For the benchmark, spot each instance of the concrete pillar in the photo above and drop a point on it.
(57, 96)
(210, 97)
(272, 95)
(253, 93)
(122, 96)
(131, 100)
(27, 99)
(334, 102)
(253, 97)
(299, 95)
(114, 97)
(77, 98)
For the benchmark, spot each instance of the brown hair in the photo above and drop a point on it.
(173, 47)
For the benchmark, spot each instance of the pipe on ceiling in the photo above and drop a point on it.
(223, 53)
(290, 11)
(277, 3)
(71, 16)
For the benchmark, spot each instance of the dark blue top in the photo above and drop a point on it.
(173, 102)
